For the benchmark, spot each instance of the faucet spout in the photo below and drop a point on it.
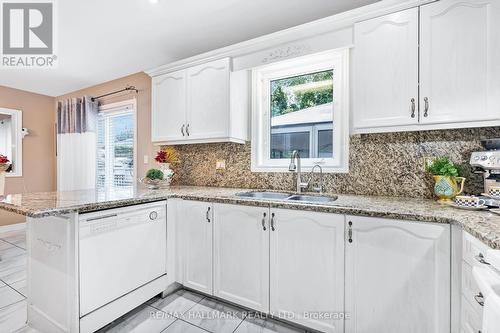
(297, 168)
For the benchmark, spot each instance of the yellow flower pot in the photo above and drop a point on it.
(447, 188)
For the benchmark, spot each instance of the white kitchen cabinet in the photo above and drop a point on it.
(307, 268)
(241, 255)
(208, 100)
(169, 107)
(386, 71)
(196, 229)
(201, 104)
(442, 63)
(397, 276)
(459, 52)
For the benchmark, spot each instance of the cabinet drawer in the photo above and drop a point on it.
(473, 250)
(471, 320)
(470, 288)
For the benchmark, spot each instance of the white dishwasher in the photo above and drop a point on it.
(120, 250)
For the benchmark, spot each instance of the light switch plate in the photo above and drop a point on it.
(146, 159)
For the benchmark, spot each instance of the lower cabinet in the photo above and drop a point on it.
(196, 229)
(307, 268)
(241, 255)
(397, 276)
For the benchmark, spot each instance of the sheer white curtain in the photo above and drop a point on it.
(76, 144)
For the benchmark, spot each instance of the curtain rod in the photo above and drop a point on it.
(128, 88)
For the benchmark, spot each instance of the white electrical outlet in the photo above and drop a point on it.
(146, 159)
(220, 165)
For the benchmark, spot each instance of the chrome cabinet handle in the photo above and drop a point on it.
(264, 222)
(426, 109)
(187, 129)
(182, 130)
(412, 107)
(479, 299)
(153, 215)
(349, 232)
(208, 215)
(480, 258)
(272, 222)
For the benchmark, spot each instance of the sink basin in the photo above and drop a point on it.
(264, 195)
(311, 198)
(286, 197)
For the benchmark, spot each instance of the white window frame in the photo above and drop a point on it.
(119, 108)
(17, 143)
(261, 119)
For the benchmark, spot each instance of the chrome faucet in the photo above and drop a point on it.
(297, 168)
(319, 187)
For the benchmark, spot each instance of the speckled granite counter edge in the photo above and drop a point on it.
(474, 227)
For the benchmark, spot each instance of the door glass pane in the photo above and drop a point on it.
(325, 143)
(298, 104)
(115, 151)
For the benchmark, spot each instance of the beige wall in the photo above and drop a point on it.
(39, 161)
(142, 82)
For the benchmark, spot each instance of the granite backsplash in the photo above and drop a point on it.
(380, 164)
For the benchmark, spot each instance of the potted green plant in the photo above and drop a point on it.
(447, 178)
(153, 179)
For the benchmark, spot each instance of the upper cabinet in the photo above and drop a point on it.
(458, 75)
(194, 105)
(459, 61)
(386, 71)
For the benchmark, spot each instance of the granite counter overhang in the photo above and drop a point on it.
(481, 224)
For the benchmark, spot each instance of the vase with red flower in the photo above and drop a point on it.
(165, 158)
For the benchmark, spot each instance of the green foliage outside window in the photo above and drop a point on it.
(283, 101)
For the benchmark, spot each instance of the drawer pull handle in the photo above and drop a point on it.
(426, 108)
(208, 215)
(182, 130)
(412, 107)
(349, 232)
(480, 258)
(153, 215)
(272, 222)
(479, 299)
(264, 222)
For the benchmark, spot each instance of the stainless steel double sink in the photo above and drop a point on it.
(287, 197)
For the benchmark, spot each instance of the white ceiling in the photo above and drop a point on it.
(101, 40)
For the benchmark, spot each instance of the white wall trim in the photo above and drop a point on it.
(17, 119)
(303, 31)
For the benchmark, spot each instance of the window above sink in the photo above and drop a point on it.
(301, 104)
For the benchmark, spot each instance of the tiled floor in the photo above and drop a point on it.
(181, 312)
(12, 280)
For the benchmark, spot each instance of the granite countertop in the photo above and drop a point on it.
(482, 224)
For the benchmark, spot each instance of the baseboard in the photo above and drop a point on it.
(13, 227)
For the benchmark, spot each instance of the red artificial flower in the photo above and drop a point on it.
(4, 159)
(161, 157)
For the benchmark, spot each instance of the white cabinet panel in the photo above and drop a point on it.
(169, 106)
(208, 100)
(397, 276)
(386, 71)
(460, 71)
(241, 255)
(307, 268)
(196, 224)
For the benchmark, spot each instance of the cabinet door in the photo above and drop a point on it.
(196, 224)
(459, 52)
(397, 276)
(241, 255)
(386, 71)
(208, 100)
(307, 268)
(169, 106)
